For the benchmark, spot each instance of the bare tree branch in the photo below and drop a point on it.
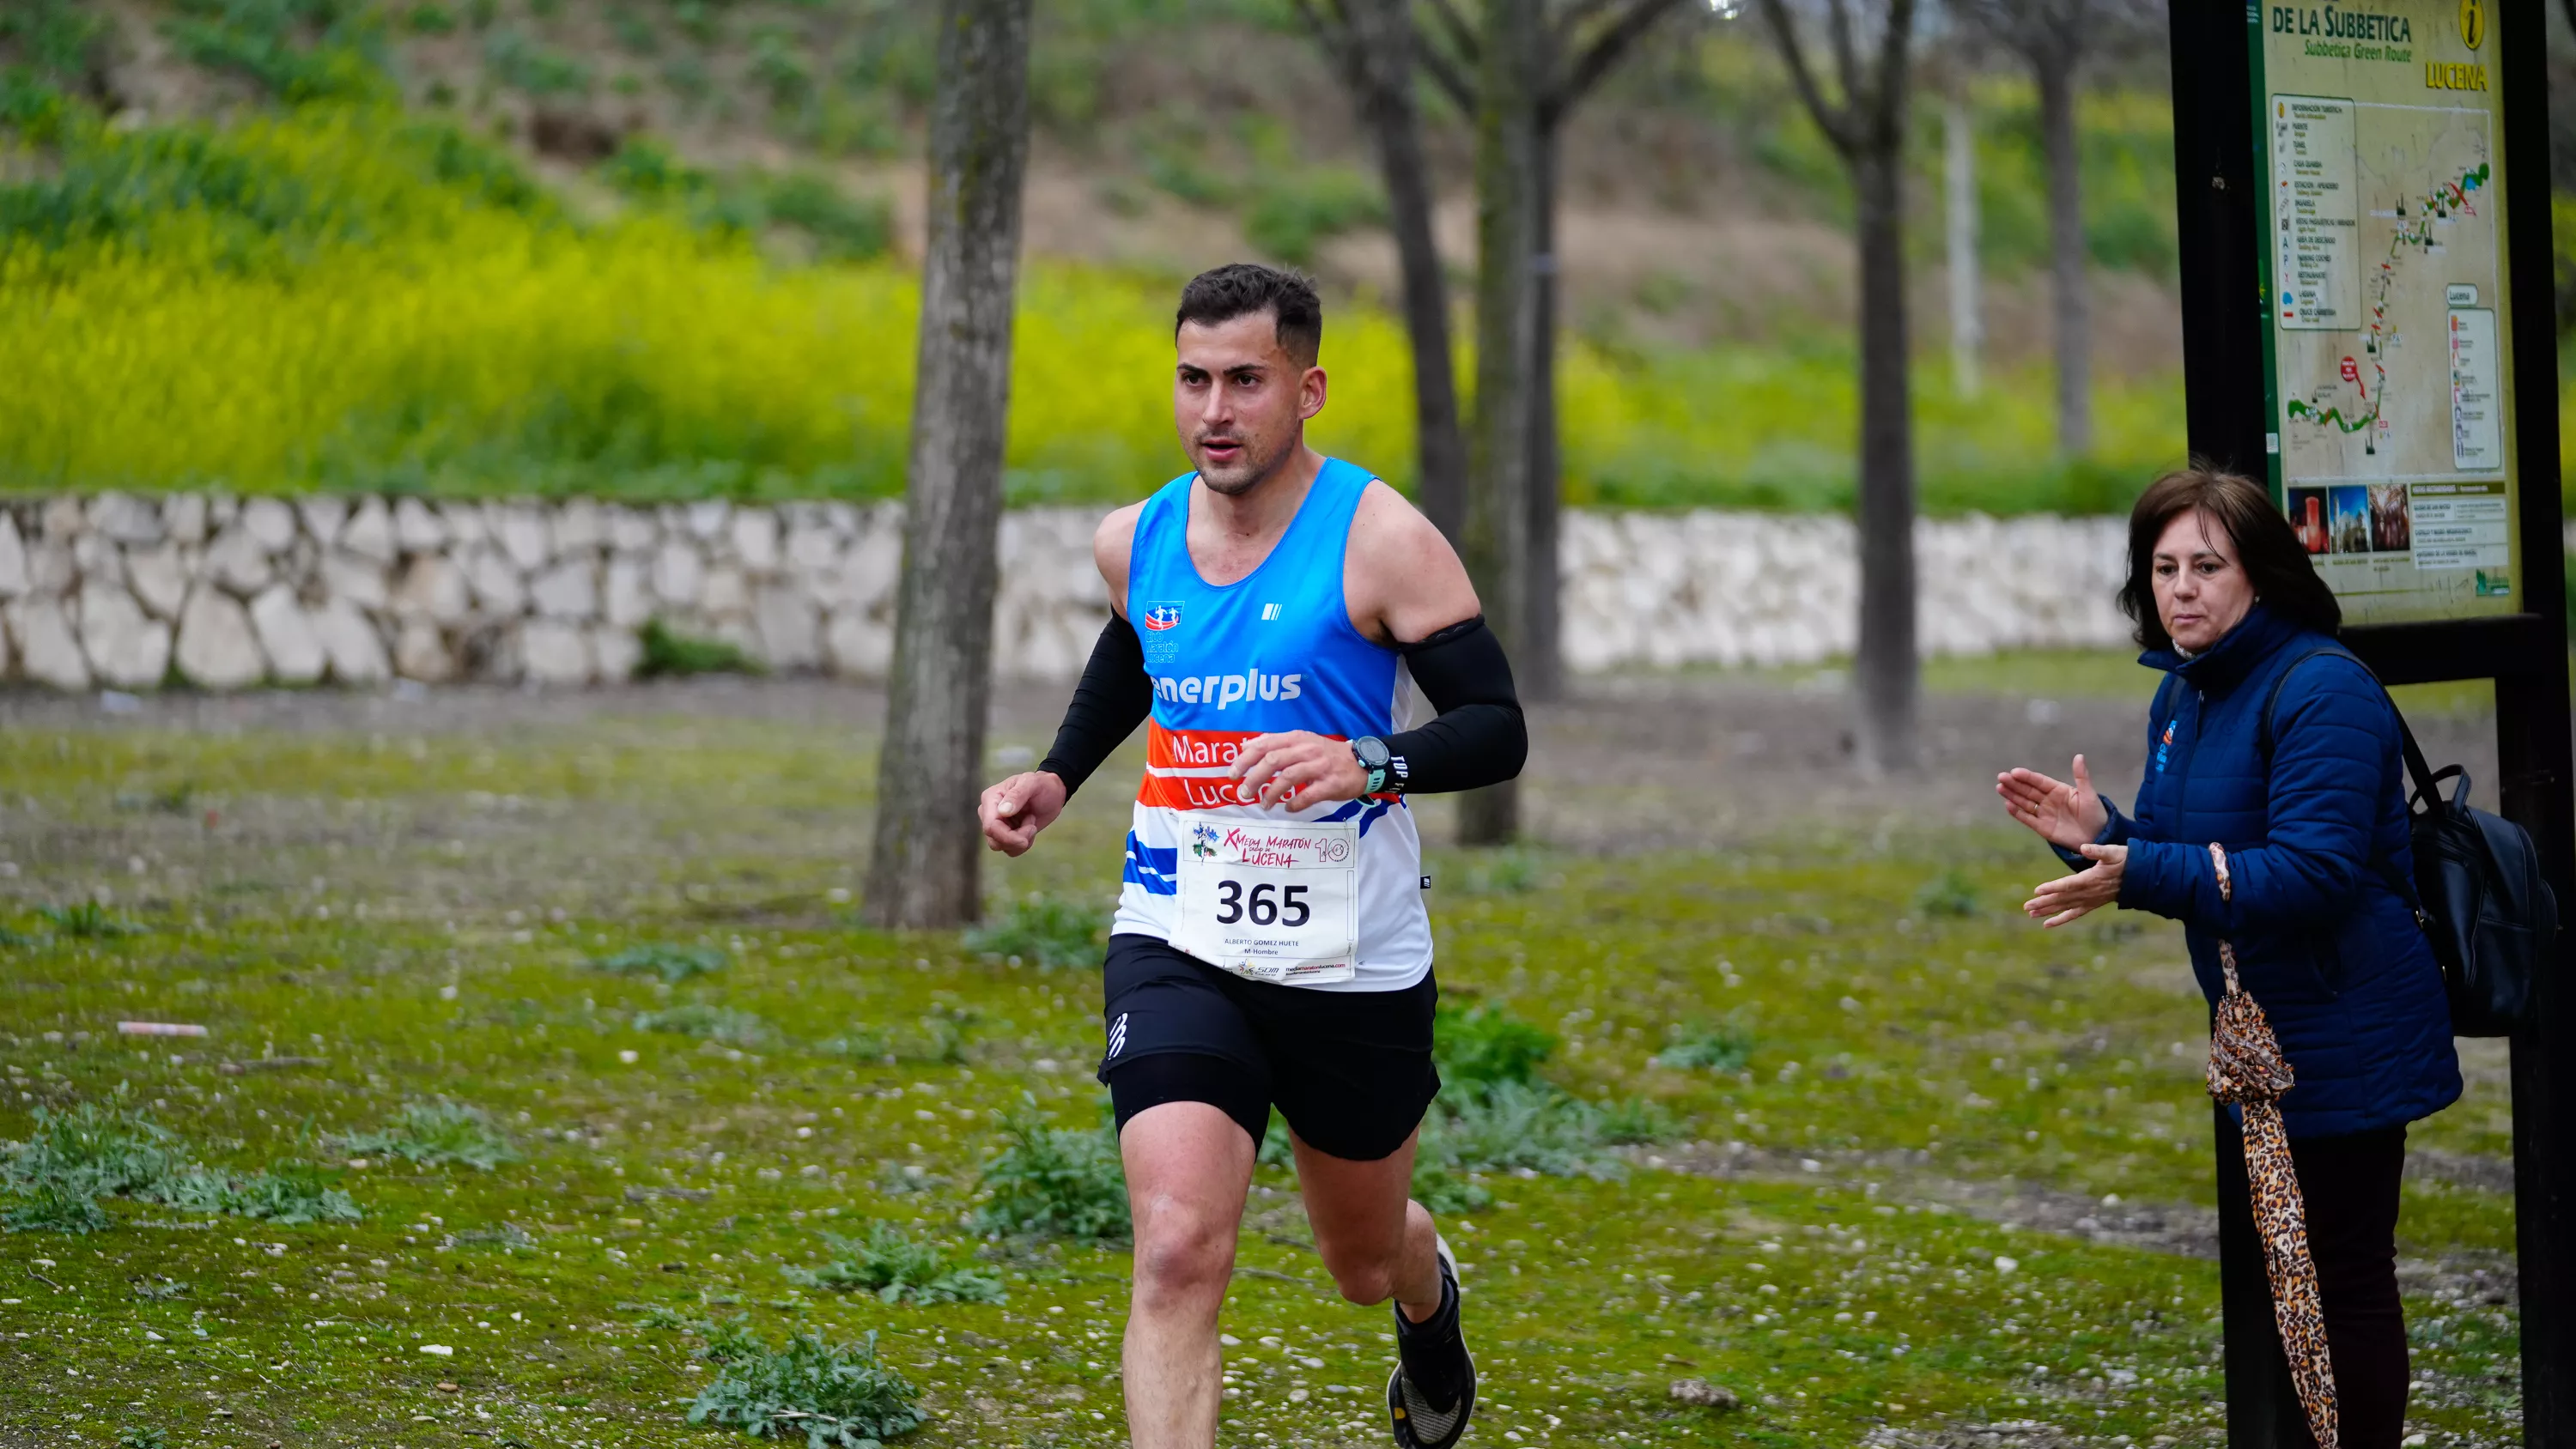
(1829, 118)
(1838, 29)
(1451, 74)
(1607, 48)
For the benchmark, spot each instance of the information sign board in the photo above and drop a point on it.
(2387, 349)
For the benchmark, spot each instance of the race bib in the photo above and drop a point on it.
(1272, 901)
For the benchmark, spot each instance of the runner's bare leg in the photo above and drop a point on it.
(1189, 1166)
(1375, 1241)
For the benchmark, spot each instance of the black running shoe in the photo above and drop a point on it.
(1432, 1353)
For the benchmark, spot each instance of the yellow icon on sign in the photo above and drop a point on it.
(2473, 22)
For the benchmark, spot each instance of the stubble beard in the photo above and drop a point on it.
(1243, 477)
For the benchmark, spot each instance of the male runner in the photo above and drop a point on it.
(1276, 615)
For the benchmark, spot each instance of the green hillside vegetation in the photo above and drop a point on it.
(372, 267)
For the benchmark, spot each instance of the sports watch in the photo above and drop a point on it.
(1385, 769)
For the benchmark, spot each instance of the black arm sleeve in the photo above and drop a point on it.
(1479, 738)
(1113, 698)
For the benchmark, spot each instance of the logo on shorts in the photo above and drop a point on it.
(1118, 1034)
(1159, 617)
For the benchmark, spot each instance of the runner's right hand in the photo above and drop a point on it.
(1015, 810)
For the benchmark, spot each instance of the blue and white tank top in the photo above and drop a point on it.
(1329, 896)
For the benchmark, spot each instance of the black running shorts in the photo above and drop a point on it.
(1350, 1070)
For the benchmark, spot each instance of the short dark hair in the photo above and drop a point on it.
(1239, 289)
(2266, 546)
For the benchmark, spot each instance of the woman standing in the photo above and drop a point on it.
(2310, 807)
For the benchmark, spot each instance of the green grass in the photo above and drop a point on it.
(657, 1184)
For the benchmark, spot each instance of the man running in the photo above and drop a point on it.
(1277, 613)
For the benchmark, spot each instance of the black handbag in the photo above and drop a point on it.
(2478, 891)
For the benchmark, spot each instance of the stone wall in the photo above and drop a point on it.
(124, 592)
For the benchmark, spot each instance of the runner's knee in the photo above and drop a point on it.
(1177, 1263)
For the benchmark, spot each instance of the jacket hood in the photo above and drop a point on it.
(2217, 669)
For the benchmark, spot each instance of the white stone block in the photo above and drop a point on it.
(616, 652)
(791, 630)
(269, 521)
(632, 530)
(356, 577)
(679, 574)
(578, 523)
(125, 519)
(467, 524)
(629, 594)
(755, 539)
(813, 547)
(217, 648)
(237, 561)
(416, 529)
(287, 637)
(324, 517)
(432, 589)
(63, 519)
(47, 651)
(355, 650)
(95, 558)
(183, 517)
(858, 646)
(704, 520)
(369, 533)
(727, 594)
(125, 647)
(566, 591)
(495, 584)
(523, 535)
(13, 558)
(554, 652)
(159, 578)
(421, 652)
(50, 569)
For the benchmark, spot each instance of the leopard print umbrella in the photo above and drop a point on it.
(2246, 1067)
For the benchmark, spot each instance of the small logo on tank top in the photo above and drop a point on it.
(1269, 612)
(1159, 617)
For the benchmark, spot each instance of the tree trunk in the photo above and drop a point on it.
(1885, 667)
(1539, 665)
(1959, 246)
(1383, 35)
(2066, 262)
(922, 873)
(1498, 458)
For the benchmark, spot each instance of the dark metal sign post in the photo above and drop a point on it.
(2271, 273)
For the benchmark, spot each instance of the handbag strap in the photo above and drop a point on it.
(2428, 786)
(2226, 892)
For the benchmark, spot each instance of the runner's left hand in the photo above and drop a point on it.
(1298, 769)
(2056, 902)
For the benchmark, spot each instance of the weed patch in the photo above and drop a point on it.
(1950, 893)
(1707, 1047)
(670, 654)
(1048, 933)
(664, 961)
(897, 1269)
(833, 1395)
(88, 921)
(435, 1133)
(1054, 1182)
(72, 1159)
(1482, 1046)
(723, 1025)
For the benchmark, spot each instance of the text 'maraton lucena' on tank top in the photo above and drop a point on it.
(1329, 896)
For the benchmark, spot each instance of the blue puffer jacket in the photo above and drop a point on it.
(2323, 941)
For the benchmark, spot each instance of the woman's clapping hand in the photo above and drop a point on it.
(2059, 813)
(2056, 902)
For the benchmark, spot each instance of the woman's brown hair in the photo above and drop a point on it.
(2284, 581)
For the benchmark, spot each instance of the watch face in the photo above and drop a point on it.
(1372, 752)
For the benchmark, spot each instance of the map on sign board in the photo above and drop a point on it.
(2387, 294)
